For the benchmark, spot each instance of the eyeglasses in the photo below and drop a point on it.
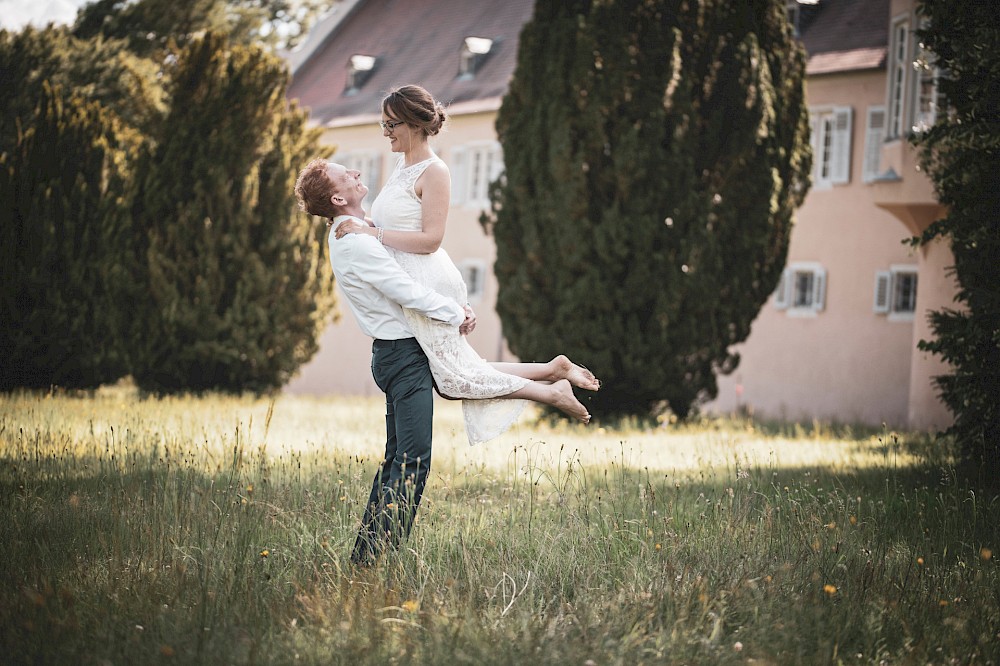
(390, 125)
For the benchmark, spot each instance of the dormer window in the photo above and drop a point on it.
(474, 51)
(359, 68)
(792, 10)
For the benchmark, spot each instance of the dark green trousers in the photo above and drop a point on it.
(400, 369)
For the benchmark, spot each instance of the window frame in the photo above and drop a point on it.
(874, 138)
(474, 166)
(925, 69)
(784, 296)
(897, 79)
(832, 139)
(887, 284)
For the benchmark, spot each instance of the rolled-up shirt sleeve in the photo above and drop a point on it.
(383, 273)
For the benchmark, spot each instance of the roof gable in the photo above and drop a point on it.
(414, 41)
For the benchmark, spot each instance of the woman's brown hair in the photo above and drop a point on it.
(415, 107)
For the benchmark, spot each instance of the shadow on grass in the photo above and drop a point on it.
(134, 565)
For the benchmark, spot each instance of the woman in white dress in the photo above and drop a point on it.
(411, 211)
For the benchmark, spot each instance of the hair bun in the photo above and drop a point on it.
(440, 117)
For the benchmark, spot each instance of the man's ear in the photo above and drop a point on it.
(337, 200)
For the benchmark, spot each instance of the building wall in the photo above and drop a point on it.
(343, 362)
(926, 411)
(846, 363)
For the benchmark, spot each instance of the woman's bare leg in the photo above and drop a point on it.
(558, 394)
(558, 368)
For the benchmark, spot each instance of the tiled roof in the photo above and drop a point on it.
(419, 41)
(847, 35)
(415, 41)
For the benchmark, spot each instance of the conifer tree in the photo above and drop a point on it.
(961, 154)
(237, 287)
(98, 69)
(64, 242)
(153, 26)
(655, 152)
(28, 60)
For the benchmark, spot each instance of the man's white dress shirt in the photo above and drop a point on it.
(377, 288)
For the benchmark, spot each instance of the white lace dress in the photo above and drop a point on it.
(458, 370)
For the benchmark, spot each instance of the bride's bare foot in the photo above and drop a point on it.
(567, 402)
(576, 375)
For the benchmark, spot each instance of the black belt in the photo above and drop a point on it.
(393, 344)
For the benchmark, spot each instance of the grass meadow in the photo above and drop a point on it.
(217, 530)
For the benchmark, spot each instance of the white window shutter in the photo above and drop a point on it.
(874, 136)
(496, 165)
(883, 291)
(819, 290)
(841, 143)
(459, 174)
(781, 293)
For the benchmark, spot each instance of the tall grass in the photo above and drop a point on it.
(217, 530)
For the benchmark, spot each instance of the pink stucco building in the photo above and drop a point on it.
(837, 341)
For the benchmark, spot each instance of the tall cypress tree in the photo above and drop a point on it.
(655, 152)
(64, 242)
(961, 154)
(237, 288)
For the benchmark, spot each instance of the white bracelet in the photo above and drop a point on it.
(380, 232)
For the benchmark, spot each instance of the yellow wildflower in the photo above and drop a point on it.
(830, 589)
(411, 605)
(265, 552)
(985, 553)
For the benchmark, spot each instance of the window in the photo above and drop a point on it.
(831, 143)
(928, 100)
(792, 11)
(874, 136)
(473, 168)
(369, 163)
(359, 68)
(802, 289)
(474, 52)
(899, 63)
(474, 274)
(896, 292)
